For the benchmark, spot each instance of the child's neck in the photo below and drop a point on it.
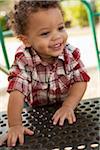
(49, 60)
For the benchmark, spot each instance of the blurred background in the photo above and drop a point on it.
(79, 26)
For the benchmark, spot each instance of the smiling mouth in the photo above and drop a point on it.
(57, 46)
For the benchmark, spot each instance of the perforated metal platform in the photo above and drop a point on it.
(84, 134)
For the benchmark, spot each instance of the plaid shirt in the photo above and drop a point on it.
(43, 83)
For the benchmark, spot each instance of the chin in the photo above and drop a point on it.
(58, 53)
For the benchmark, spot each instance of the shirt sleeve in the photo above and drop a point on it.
(78, 68)
(19, 76)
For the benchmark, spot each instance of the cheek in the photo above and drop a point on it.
(41, 45)
(65, 36)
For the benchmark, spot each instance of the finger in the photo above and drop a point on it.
(55, 119)
(13, 140)
(28, 131)
(70, 119)
(55, 114)
(8, 140)
(3, 138)
(61, 121)
(74, 117)
(21, 139)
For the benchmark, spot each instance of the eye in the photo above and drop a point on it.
(61, 28)
(44, 33)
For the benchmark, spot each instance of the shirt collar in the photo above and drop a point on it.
(37, 60)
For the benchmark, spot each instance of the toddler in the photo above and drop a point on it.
(46, 69)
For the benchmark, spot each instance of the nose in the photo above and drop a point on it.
(56, 36)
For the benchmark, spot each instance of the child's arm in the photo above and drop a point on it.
(15, 107)
(67, 110)
(16, 129)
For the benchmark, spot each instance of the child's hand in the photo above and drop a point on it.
(16, 133)
(63, 113)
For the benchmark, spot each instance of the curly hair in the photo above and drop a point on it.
(24, 8)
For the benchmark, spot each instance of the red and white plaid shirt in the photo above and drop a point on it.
(43, 83)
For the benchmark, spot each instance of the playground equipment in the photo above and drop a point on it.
(2, 68)
(91, 17)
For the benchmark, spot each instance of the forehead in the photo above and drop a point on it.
(46, 17)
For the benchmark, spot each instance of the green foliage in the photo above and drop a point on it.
(76, 14)
(3, 23)
(79, 16)
(1, 1)
(98, 6)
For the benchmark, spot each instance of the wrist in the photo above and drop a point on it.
(15, 124)
(67, 105)
(70, 102)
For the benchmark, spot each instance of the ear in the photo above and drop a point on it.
(24, 39)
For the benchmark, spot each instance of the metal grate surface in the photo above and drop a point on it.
(82, 135)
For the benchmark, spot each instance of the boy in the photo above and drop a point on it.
(46, 68)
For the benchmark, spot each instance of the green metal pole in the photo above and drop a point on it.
(92, 24)
(4, 50)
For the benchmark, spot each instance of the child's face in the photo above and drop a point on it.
(46, 32)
